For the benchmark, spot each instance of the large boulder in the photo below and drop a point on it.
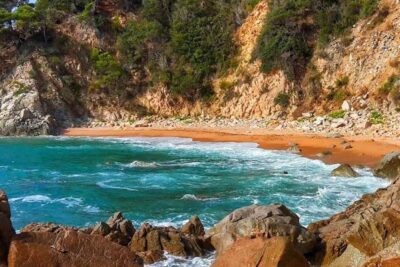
(344, 170)
(153, 240)
(268, 221)
(52, 245)
(261, 252)
(6, 229)
(368, 228)
(389, 167)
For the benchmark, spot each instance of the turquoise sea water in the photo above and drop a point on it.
(79, 181)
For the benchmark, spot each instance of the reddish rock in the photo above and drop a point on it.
(267, 221)
(365, 229)
(168, 239)
(193, 227)
(261, 252)
(6, 229)
(63, 246)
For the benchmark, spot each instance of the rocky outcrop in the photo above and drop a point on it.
(262, 252)
(153, 241)
(366, 231)
(117, 229)
(52, 245)
(267, 221)
(6, 229)
(389, 167)
(344, 170)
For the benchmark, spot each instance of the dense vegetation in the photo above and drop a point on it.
(294, 28)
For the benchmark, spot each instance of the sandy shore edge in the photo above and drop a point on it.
(364, 151)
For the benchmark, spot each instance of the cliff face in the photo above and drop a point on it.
(42, 91)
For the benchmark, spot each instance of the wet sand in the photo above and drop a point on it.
(365, 150)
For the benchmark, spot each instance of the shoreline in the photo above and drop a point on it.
(365, 151)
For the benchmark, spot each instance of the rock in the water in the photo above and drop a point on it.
(193, 227)
(389, 167)
(6, 229)
(367, 229)
(344, 170)
(261, 252)
(51, 245)
(294, 148)
(168, 239)
(269, 221)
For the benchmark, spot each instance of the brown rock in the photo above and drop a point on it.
(193, 227)
(151, 256)
(261, 252)
(168, 239)
(62, 246)
(389, 167)
(6, 229)
(269, 221)
(344, 170)
(367, 228)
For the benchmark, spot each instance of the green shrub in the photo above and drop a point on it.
(338, 114)
(108, 71)
(282, 99)
(337, 95)
(389, 84)
(342, 82)
(376, 117)
(226, 85)
(87, 12)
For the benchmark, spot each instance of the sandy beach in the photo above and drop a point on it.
(351, 150)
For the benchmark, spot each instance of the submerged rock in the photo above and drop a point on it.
(344, 170)
(268, 221)
(389, 167)
(6, 229)
(261, 252)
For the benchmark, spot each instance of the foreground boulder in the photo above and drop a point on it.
(52, 245)
(366, 231)
(150, 242)
(6, 229)
(389, 167)
(344, 170)
(261, 252)
(268, 221)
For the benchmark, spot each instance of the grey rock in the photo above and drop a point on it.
(389, 166)
(344, 170)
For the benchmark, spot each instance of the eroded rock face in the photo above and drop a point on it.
(389, 167)
(368, 228)
(117, 229)
(262, 252)
(344, 170)
(150, 240)
(52, 245)
(6, 229)
(268, 221)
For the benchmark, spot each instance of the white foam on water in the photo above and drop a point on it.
(105, 184)
(196, 198)
(31, 199)
(174, 261)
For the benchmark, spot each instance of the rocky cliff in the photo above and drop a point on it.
(46, 87)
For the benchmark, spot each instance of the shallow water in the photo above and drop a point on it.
(79, 181)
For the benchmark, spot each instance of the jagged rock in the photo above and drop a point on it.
(168, 239)
(193, 227)
(346, 106)
(117, 229)
(151, 256)
(269, 221)
(389, 167)
(368, 228)
(344, 170)
(261, 252)
(51, 245)
(6, 229)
